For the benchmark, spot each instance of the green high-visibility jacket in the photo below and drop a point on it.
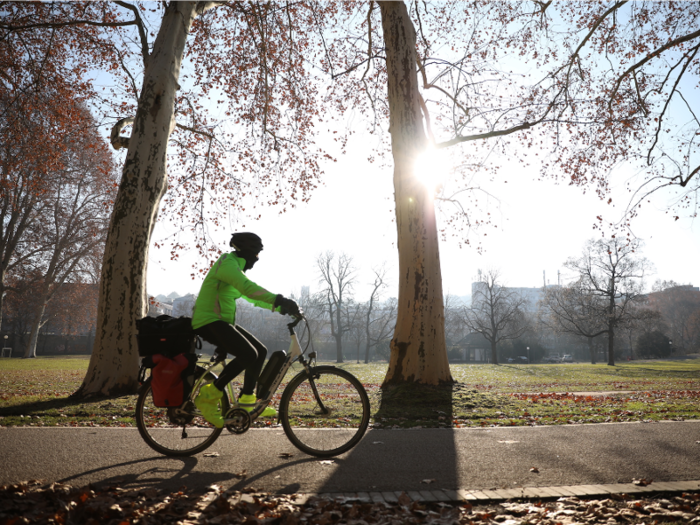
(225, 282)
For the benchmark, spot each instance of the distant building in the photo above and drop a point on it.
(679, 307)
(183, 305)
(158, 307)
(172, 304)
(474, 348)
(532, 296)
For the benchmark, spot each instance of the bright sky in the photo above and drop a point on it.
(540, 225)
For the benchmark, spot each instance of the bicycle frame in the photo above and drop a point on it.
(184, 432)
(293, 354)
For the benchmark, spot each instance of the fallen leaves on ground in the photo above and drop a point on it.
(643, 482)
(34, 502)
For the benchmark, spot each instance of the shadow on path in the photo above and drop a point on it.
(363, 470)
(158, 472)
(164, 473)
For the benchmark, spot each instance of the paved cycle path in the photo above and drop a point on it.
(386, 461)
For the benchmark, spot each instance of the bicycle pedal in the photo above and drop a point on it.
(237, 420)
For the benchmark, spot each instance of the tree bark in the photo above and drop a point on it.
(30, 350)
(339, 331)
(611, 325)
(114, 363)
(418, 352)
(591, 350)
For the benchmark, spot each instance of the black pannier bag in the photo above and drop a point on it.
(165, 335)
(167, 346)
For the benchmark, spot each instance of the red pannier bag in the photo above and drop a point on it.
(166, 380)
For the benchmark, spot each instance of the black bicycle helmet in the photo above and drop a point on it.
(246, 242)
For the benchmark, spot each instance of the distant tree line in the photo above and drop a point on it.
(344, 327)
(57, 183)
(603, 311)
(601, 314)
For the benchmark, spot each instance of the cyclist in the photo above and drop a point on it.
(214, 319)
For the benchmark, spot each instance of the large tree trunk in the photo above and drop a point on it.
(611, 327)
(338, 335)
(494, 353)
(2, 295)
(114, 364)
(611, 345)
(367, 333)
(418, 352)
(44, 298)
(338, 348)
(30, 350)
(591, 350)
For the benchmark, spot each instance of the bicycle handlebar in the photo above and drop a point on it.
(297, 320)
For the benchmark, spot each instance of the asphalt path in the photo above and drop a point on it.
(385, 460)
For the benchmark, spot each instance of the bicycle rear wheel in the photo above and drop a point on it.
(330, 420)
(175, 431)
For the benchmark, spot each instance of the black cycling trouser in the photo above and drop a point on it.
(249, 353)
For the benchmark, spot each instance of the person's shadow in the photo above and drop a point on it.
(158, 473)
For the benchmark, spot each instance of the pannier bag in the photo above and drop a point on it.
(165, 335)
(171, 379)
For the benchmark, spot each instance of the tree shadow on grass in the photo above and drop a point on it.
(106, 406)
(410, 405)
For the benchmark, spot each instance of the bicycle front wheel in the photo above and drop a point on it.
(326, 413)
(175, 431)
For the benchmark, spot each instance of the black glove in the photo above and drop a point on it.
(287, 306)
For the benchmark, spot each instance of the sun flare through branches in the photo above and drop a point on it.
(432, 167)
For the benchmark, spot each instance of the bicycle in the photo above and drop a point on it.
(324, 410)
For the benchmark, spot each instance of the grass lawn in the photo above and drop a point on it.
(35, 392)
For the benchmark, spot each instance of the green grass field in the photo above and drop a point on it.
(36, 392)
